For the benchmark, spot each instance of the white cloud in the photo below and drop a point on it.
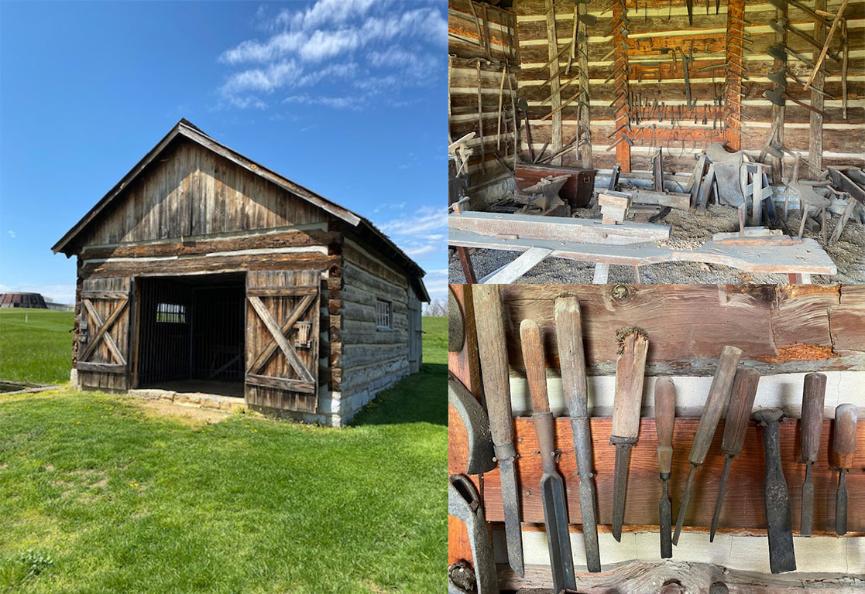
(426, 220)
(334, 102)
(352, 39)
(12, 234)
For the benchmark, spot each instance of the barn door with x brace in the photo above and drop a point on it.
(282, 321)
(103, 333)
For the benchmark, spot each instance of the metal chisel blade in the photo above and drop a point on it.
(556, 519)
(720, 500)
(620, 487)
(841, 504)
(588, 497)
(807, 504)
(511, 503)
(683, 504)
(665, 512)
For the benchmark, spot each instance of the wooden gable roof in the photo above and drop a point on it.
(186, 129)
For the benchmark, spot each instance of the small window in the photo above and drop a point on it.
(171, 313)
(383, 315)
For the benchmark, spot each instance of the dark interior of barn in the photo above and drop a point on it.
(191, 335)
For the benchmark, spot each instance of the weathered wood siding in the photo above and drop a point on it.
(482, 70)
(658, 24)
(372, 358)
(193, 192)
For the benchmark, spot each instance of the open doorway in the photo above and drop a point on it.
(191, 336)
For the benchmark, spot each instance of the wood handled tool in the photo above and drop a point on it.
(719, 395)
(552, 487)
(738, 414)
(630, 370)
(811, 425)
(493, 354)
(665, 416)
(776, 499)
(844, 446)
(572, 361)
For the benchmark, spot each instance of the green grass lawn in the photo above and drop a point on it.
(100, 494)
(35, 345)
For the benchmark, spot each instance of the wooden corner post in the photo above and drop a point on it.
(620, 101)
(735, 69)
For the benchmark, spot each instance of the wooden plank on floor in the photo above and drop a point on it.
(805, 257)
(556, 228)
(515, 269)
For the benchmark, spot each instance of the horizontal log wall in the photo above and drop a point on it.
(482, 55)
(371, 358)
(657, 25)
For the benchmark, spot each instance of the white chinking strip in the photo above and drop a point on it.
(318, 249)
(817, 554)
(782, 390)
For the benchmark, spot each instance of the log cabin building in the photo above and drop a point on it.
(203, 271)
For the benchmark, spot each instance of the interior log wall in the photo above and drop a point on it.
(658, 27)
(482, 83)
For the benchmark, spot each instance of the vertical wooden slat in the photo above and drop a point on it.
(815, 136)
(735, 65)
(778, 110)
(555, 92)
(623, 149)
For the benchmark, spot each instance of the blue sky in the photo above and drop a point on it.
(346, 97)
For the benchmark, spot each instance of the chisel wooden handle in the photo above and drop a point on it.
(630, 372)
(719, 395)
(813, 398)
(665, 416)
(844, 440)
(739, 410)
(533, 359)
(572, 357)
(492, 350)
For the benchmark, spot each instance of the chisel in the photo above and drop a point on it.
(719, 395)
(572, 361)
(844, 445)
(630, 368)
(776, 499)
(811, 425)
(665, 416)
(552, 487)
(493, 354)
(738, 414)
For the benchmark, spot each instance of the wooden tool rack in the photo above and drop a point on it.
(780, 329)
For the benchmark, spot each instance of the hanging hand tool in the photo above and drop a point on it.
(811, 425)
(464, 503)
(719, 396)
(552, 486)
(630, 368)
(477, 424)
(690, 5)
(844, 446)
(782, 25)
(492, 350)
(777, 501)
(572, 361)
(824, 50)
(735, 425)
(665, 416)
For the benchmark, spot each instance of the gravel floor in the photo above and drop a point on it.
(690, 226)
